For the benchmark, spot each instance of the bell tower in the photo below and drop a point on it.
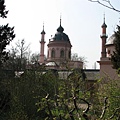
(42, 44)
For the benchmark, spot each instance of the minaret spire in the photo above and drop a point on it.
(43, 25)
(103, 37)
(43, 32)
(60, 19)
(60, 28)
(104, 18)
(42, 42)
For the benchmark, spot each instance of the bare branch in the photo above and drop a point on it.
(105, 107)
(110, 6)
(116, 110)
(86, 110)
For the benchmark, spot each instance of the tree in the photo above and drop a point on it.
(21, 53)
(110, 89)
(115, 57)
(106, 3)
(3, 12)
(35, 58)
(6, 35)
(75, 57)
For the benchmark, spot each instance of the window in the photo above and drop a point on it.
(108, 51)
(69, 55)
(53, 53)
(62, 53)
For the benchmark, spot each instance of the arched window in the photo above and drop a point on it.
(62, 53)
(69, 55)
(109, 52)
(53, 53)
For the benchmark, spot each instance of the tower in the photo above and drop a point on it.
(106, 70)
(42, 43)
(103, 37)
(59, 46)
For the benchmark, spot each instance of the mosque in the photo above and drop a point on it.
(59, 53)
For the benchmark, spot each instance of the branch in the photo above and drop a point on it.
(86, 110)
(75, 105)
(49, 110)
(117, 109)
(105, 107)
(110, 6)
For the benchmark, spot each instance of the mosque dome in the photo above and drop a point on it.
(111, 40)
(60, 35)
(60, 29)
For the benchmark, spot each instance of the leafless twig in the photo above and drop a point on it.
(86, 110)
(116, 110)
(105, 107)
(110, 6)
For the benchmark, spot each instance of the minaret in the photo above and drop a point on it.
(42, 42)
(103, 37)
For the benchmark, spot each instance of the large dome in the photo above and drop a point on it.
(60, 36)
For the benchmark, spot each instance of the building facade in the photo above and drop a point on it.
(107, 48)
(58, 51)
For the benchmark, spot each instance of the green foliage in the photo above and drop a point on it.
(3, 12)
(26, 91)
(6, 35)
(111, 90)
(42, 95)
(18, 58)
(63, 103)
(115, 58)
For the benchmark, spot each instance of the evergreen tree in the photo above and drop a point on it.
(115, 58)
(6, 34)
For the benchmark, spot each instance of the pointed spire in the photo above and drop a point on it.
(43, 32)
(104, 25)
(104, 18)
(60, 19)
(60, 28)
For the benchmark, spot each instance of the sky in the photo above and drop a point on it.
(81, 20)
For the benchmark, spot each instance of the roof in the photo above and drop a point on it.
(104, 25)
(111, 40)
(60, 29)
(51, 64)
(43, 32)
(60, 36)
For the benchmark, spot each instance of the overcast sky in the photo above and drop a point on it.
(81, 21)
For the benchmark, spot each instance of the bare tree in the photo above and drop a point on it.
(35, 58)
(22, 48)
(19, 55)
(106, 3)
(75, 57)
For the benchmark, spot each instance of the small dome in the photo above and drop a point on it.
(111, 40)
(104, 25)
(43, 32)
(60, 29)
